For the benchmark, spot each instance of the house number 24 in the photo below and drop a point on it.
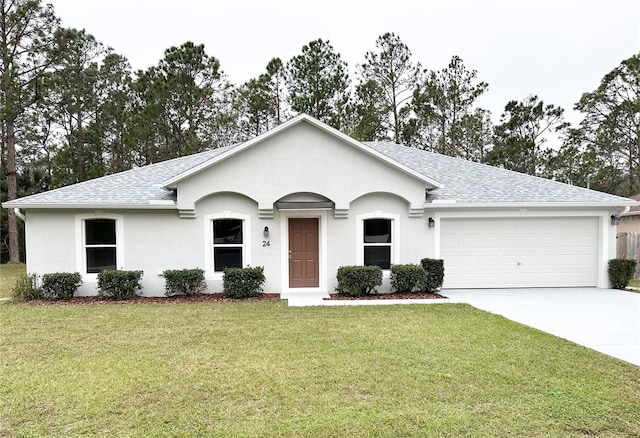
(266, 243)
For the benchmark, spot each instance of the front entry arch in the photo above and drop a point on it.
(304, 253)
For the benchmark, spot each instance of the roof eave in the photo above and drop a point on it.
(550, 204)
(91, 206)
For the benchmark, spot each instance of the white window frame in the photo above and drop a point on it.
(81, 244)
(209, 260)
(395, 237)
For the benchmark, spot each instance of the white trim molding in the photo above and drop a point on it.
(210, 274)
(81, 254)
(322, 216)
(395, 236)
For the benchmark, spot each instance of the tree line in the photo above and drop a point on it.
(73, 109)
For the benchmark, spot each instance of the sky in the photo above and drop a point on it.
(556, 49)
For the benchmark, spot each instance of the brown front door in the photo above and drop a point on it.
(303, 252)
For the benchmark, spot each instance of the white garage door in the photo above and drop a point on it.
(522, 252)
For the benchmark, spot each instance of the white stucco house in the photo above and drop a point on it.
(303, 199)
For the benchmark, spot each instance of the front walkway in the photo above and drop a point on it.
(605, 320)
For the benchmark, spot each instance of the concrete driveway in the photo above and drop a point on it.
(606, 320)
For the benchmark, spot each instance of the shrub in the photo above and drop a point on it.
(620, 272)
(184, 281)
(60, 285)
(119, 285)
(434, 274)
(407, 278)
(25, 288)
(358, 281)
(242, 282)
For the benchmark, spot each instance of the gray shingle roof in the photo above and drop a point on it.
(464, 182)
(135, 187)
(468, 182)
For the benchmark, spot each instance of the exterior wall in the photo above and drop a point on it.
(153, 241)
(50, 241)
(415, 240)
(629, 224)
(301, 159)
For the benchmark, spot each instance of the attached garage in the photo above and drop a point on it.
(519, 252)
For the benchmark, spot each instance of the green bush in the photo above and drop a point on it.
(25, 288)
(358, 281)
(119, 285)
(184, 281)
(242, 282)
(407, 278)
(60, 285)
(434, 272)
(620, 272)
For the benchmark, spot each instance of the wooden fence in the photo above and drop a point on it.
(628, 247)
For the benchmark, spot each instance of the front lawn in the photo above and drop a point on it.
(634, 283)
(264, 369)
(9, 273)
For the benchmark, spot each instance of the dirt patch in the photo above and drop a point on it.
(390, 296)
(178, 299)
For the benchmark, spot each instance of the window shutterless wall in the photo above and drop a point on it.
(395, 236)
(210, 245)
(81, 243)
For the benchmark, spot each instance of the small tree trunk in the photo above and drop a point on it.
(12, 192)
(80, 150)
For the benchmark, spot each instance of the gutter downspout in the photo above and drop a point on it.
(19, 214)
(625, 211)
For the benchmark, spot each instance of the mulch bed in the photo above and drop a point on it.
(390, 296)
(219, 298)
(178, 299)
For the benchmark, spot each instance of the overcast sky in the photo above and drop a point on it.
(557, 49)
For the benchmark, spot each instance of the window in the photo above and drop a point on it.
(100, 245)
(377, 243)
(228, 244)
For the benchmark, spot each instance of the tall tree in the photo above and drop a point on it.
(76, 102)
(28, 48)
(523, 131)
(440, 102)
(183, 105)
(318, 83)
(255, 104)
(571, 164)
(611, 126)
(391, 69)
(476, 133)
(369, 117)
(276, 72)
(113, 120)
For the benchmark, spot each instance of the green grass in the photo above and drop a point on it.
(634, 283)
(264, 369)
(9, 272)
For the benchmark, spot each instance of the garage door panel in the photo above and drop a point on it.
(488, 242)
(470, 260)
(519, 252)
(508, 242)
(470, 243)
(489, 260)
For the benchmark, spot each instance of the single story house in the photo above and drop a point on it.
(303, 199)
